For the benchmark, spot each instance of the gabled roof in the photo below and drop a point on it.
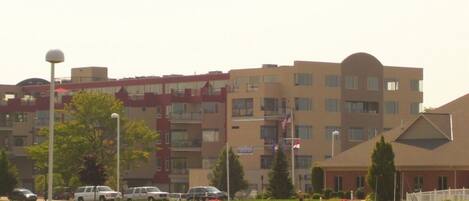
(436, 139)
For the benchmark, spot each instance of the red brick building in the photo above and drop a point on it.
(431, 152)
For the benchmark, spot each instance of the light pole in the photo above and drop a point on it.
(227, 171)
(116, 116)
(53, 56)
(334, 133)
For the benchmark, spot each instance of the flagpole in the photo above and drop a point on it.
(292, 150)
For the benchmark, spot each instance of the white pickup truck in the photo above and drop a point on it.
(103, 193)
(145, 193)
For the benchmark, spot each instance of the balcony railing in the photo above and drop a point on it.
(179, 170)
(188, 116)
(6, 124)
(186, 143)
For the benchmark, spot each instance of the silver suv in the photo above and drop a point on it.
(103, 193)
(145, 193)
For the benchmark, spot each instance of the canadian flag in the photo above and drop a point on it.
(296, 144)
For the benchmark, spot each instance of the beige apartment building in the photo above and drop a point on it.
(358, 97)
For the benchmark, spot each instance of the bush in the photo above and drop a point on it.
(360, 193)
(327, 193)
(317, 195)
(370, 197)
(347, 195)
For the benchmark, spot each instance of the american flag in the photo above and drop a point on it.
(285, 121)
(296, 144)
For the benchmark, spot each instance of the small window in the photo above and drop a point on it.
(415, 108)
(416, 85)
(303, 104)
(360, 181)
(303, 79)
(242, 107)
(158, 164)
(373, 84)
(210, 135)
(356, 134)
(391, 84)
(351, 82)
(391, 107)
(303, 131)
(210, 107)
(167, 165)
(338, 183)
(332, 105)
(269, 134)
(303, 162)
(19, 141)
(266, 161)
(332, 81)
(442, 182)
(418, 183)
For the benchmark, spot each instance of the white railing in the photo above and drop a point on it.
(439, 195)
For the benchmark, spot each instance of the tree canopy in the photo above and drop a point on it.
(237, 181)
(280, 185)
(380, 176)
(88, 129)
(8, 174)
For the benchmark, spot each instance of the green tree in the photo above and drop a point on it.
(40, 182)
(280, 186)
(317, 179)
(89, 129)
(380, 176)
(237, 181)
(92, 172)
(8, 174)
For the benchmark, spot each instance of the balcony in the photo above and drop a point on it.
(186, 145)
(186, 117)
(6, 125)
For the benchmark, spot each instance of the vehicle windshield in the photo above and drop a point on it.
(213, 190)
(104, 188)
(153, 189)
(25, 191)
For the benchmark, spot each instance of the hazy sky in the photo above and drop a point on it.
(139, 38)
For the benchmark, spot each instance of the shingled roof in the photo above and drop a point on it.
(439, 138)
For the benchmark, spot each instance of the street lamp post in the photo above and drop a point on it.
(116, 116)
(53, 56)
(334, 133)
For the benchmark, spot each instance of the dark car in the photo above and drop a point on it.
(22, 194)
(62, 193)
(205, 193)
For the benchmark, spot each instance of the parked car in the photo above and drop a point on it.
(62, 193)
(22, 194)
(103, 193)
(205, 193)
(145, 193)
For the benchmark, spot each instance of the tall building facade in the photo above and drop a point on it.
(197, 114)
(358, 98)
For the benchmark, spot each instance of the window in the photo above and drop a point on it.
(303, 131)
(351, 82)
(303, 162)
(179, 138)
(415, 108)
(19, 141)
(337, 183)
(360, 181)
(166, 165)
(266, 161)
(391, 107)
(327, 156)
(269, 134)
(178, 107)
(361, 107)
(373, 84)
(158, 164)
(242, 107)
(418, 183)
(391, 85)
(329, 130)
(303, 79)
(332, 105)
(442, 182)
(207, 163)
(332, 80)
(209, 107)
(303, 104)
(270, 79)
(210, 135)
(372, 132)
(21, 117)
(179, 165)
(356, 134)
(270, 106)
(416, 85)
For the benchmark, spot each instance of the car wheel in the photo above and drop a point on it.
(102, 199)
(80, 199)
(129, 199)
(151, 199)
